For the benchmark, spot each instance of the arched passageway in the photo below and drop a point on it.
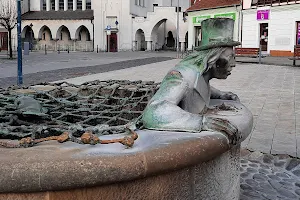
(63, 34)
(82, 34)
(140, 40)
(45, 33)
(28, 36)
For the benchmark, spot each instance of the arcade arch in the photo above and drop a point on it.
(140, 40)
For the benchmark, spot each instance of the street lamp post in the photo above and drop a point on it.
(20, 73)
(177, 42)
(31, 36)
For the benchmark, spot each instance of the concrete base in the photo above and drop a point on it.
(214, 180)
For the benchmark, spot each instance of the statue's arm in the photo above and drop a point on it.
(218, 94)
(163, 112)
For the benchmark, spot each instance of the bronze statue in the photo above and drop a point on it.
(184, 96)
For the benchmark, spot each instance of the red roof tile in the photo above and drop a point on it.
(206, 4)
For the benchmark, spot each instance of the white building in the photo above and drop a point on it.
(104, 25)
(275, 25)
(202, 10)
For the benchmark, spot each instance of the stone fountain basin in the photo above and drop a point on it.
(51, 166)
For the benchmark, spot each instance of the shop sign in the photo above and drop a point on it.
(226, 15)
(199, 19)
(263, 14)
(298, 37)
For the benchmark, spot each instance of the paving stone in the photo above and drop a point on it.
(297, 184)
(268, 159)
(245, 174)
(275, 178)
(251, 170)
(282, 175)
(253, 165)
(292, 164)
(276, 185)
(251, 182)
(286, 193)
(246, 187)
(252, 194)
(279, 164)
(297, 172)
(263, 171)
(259, 177)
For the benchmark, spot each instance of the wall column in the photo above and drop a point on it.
(182, 46)
(149, 45)
(56, 5)
(83, 4)
(74, 4)
(65, 5)
(48, 5)
(134, 45)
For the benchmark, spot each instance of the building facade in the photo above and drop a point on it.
(202, 10)
(273, 25)
(103, 25)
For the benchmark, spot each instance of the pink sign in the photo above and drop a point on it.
(263, 14)
(298, 38)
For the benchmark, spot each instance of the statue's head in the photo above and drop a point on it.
(222, 66)
(215, 56)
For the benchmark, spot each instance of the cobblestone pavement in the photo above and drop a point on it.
(267, 177)
(59, 74)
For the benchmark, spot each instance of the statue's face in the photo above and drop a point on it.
(224, 64)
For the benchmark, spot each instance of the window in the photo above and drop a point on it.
(88, 5)
(176, 9)
(140, 3)
(44, 4)
(52, 3)
(61, 4)
(79, 4)
(70, 4)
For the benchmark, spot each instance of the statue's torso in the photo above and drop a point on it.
(197, 96)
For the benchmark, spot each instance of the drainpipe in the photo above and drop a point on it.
(239, 23)
(92, 21)
(242, 19)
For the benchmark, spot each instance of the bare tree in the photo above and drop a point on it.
(8, 19)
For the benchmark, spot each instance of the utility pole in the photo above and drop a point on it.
(177, 40)
(20, 73)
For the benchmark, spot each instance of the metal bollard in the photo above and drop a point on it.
(45, 49)
(97, 49)
(259, 59)
(68, 49)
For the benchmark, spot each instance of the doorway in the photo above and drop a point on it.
(298, 34)
(198, 36)
(264, 33)
(4, 41)
(112, 42)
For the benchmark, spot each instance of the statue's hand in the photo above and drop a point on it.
(221, 125)
(229, 96)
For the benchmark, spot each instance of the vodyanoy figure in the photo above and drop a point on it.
(184, 96)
